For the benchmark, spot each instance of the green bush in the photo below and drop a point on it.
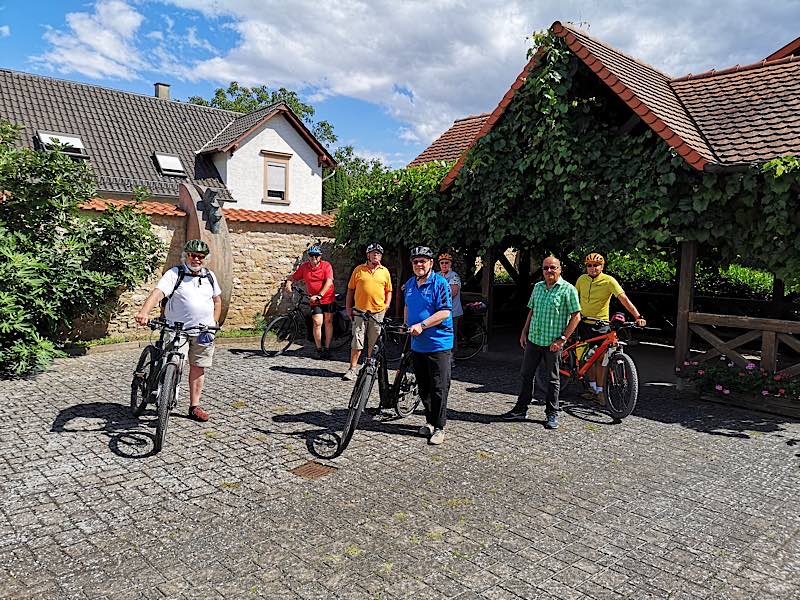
(56, 264)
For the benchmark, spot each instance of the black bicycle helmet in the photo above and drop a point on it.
(374, 247)
(423, 251)
(196, 246)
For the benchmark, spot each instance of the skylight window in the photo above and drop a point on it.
(170, 164)
(72, 144)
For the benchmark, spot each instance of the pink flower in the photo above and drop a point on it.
(726, 391)
(764, 393)
(750, 366)
(686, 363)
(718, 387)
(694, 362)
(777, 377)
(781, 392)
(701, 372)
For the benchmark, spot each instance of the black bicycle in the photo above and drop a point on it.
(472, 335)
(401, 395)
(284, 331)
(159, 370)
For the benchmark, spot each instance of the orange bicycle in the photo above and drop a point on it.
(621, 383)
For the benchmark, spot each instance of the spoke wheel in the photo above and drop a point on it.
(358, 400)
(279, 335)
(408, 397)
(621, 385)
(471, 339)
(142, 374)
(166, 398)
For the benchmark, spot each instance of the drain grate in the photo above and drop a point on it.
(312, 470)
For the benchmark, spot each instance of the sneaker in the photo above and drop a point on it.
(437, 437)
(350, 374)
(552, 422)
(515, 414)
(601, 398)
(326, 353)
(426, 430)
(320, 353)
(198, 414)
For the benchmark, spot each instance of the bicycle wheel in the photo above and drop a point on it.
(166, 396)
(358, 400)
(140, 385)
(278, 336)
(407, 396)
(622, 385)
(471, 339)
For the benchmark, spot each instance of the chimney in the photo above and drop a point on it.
(162, 91)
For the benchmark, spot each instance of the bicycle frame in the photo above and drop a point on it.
(377, 362)
(610, 339)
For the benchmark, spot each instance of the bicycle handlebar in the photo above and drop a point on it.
(161, 323)
(387, 322)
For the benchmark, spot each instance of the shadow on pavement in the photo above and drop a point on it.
(308, 371)
(126, 436)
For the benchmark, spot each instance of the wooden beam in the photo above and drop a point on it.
(487, 291)
(501, 256)
(776, 325)
(723, 347)
(789, 341)
(688, 258)
(769, 351)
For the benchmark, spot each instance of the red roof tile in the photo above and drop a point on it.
(724, 118)
(231, 214)
(452, 143)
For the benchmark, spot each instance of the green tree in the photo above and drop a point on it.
(55, 263)
(352, 171)
(249, 99)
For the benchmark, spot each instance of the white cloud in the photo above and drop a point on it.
(5, 31)
(99, 44)
(197, 42)
(452, 58)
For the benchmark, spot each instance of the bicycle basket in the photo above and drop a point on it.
(476, 309)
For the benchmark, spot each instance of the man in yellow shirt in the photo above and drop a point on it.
(369, 289)
(595, 289)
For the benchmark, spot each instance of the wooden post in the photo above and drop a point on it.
(487, 291)
(688, 259)
(769, 351)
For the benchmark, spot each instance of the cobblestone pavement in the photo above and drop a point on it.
(680, 500)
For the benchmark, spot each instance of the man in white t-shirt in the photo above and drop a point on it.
(445, 266)
(193, 299)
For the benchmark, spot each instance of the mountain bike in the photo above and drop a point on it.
(621, 384)
(284, 331)
(471, 331)
(401, 395)
(158, 372)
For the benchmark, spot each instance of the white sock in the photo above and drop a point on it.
(593, 385)
(598, 389)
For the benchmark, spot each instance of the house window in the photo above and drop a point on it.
(276, 177)
(71, 143)
(169, 164)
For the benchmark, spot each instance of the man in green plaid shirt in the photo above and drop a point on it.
(553, 316)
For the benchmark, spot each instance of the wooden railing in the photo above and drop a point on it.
(771, 331)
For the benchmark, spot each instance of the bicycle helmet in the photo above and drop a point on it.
(196, 246)
(422, 251)
(315, 250)
(446, 256)
(374, 247)
(594, 257)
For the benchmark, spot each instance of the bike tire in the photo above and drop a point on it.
(166, 397)
(358, 400)
(471, 340)
(278, 336)
(140, 384)
(405, 390)
(621, 385)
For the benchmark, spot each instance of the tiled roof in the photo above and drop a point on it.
(120, 130)
(453, 142)
(244, 125)
(717, 119)
(231, 214)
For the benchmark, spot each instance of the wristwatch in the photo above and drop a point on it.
(423, 324)
(562, 337)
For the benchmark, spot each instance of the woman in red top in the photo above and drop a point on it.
(318, 277)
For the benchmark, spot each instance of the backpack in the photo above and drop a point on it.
(182, 272)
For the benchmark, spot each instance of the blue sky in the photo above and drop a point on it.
(389, 75)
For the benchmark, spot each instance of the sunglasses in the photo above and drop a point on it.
(550, 268)
(419, 261)
(197, 255)
(589, 265)
(444, 262)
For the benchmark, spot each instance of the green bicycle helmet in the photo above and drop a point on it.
(196, 246)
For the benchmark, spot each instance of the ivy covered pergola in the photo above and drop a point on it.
(591, 149)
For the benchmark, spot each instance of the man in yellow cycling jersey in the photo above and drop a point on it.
(595, 289)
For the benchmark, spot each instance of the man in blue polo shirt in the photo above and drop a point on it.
(427, 312)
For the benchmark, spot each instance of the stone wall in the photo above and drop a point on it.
(264, 255)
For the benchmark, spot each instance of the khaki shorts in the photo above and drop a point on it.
(362, 325)
(199, 355)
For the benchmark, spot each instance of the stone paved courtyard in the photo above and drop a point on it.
(682, 499)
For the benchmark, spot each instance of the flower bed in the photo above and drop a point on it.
(750, 387)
